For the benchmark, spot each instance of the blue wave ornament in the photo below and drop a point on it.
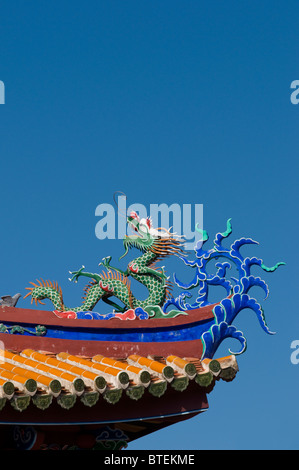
(212, 339)
(237, 289)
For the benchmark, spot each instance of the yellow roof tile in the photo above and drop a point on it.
(33, 372)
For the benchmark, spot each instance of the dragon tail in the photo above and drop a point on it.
(93, 292)
(46, 290)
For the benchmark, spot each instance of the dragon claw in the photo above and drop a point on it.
(106, 262)
(76, 274)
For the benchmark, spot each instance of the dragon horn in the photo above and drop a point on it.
(125, 253)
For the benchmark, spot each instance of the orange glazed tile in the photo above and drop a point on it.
(87, 363)
(181, 363)
(117, 364)
(144, 361)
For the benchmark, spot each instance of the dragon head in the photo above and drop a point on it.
(147, 238)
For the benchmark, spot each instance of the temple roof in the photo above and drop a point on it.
(42, 377)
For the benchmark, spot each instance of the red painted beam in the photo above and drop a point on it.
(44, 317)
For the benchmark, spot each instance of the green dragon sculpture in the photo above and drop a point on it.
(155, 244)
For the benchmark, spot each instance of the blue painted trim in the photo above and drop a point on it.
(148, 335)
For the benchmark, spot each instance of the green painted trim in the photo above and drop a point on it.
(180, 383)
(55, 386)
(112, 395)
(168, 372)
(8, 388)
(228, 374)
(31, 385)
(190, 369)
(20, 403)
(214, 366)
(101, 383)
(205, 379)
(66, 400)
(79, 385)
(135, 392)
(40, 330)
(123, 378)
(157, 389)
(272, 268)
(90, 398)
(204, 233)
(228, 230)
(42, 401)
(145, 377)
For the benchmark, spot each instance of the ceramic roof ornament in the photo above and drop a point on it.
(9, 301)
(161, 351)
(237, 288)
(154, 244)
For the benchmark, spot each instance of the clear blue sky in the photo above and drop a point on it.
(172, 101)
